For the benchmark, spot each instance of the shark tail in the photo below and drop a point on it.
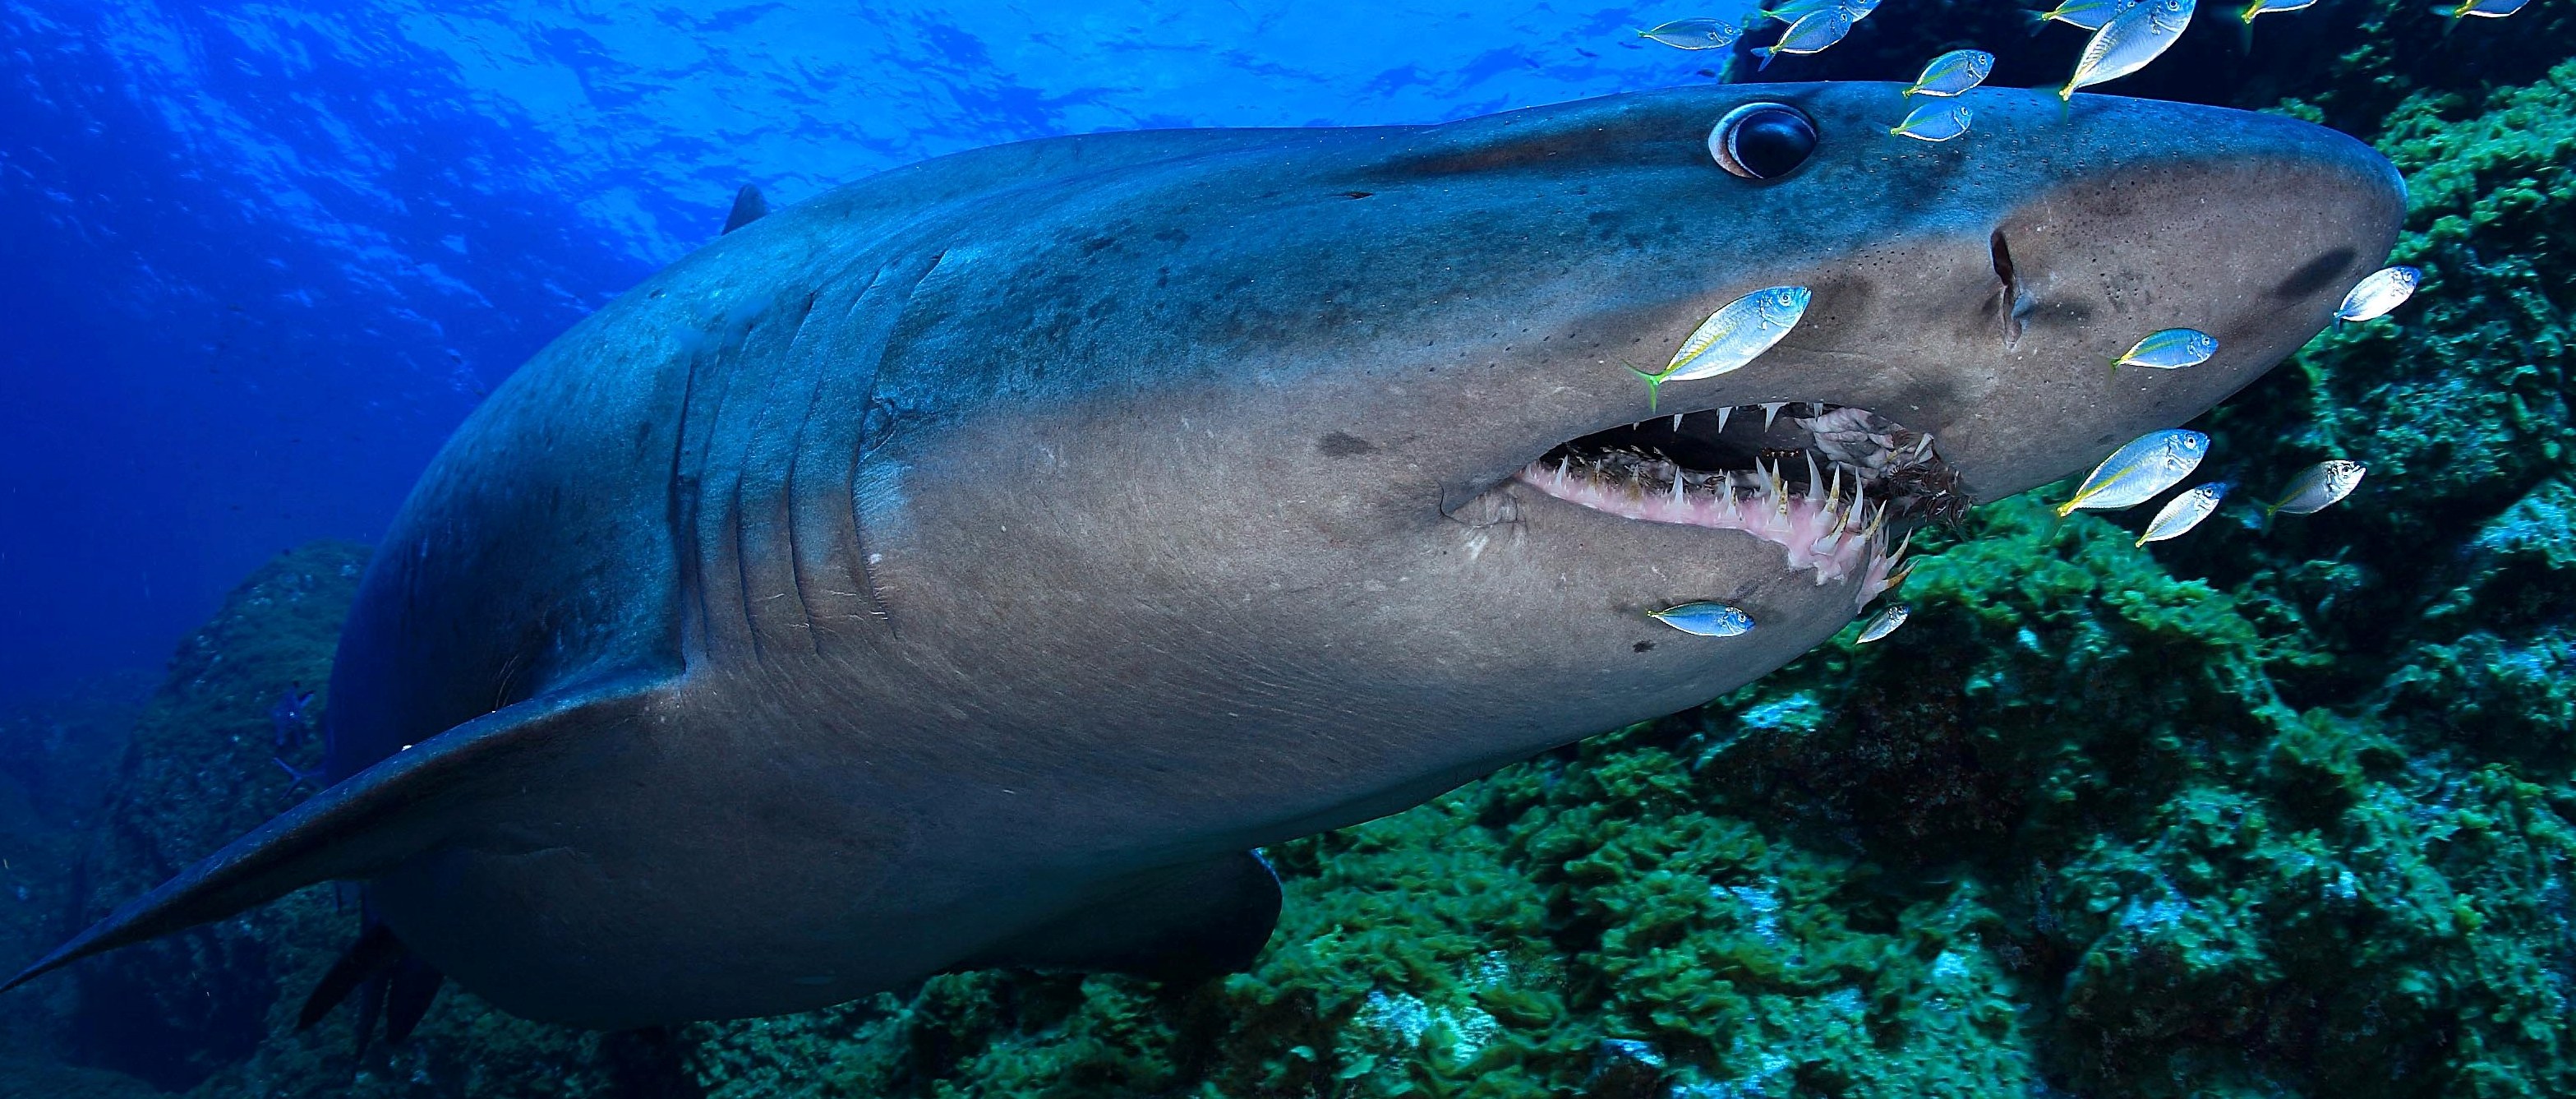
(369, 822)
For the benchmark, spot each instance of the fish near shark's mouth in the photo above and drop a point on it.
(1834, 486)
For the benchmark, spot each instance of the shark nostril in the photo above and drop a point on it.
(2012, 304)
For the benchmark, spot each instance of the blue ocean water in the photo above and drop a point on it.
(266, 255)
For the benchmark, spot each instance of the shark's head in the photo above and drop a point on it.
(1336, 437)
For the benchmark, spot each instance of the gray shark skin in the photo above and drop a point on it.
(968, 566)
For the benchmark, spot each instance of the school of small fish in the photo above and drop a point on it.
(2127, 36)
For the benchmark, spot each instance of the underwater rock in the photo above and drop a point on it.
(196, 772)
(212, 1012)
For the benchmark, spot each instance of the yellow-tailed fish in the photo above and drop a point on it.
(1935, 122)
(2484, 9)
(2170, 349)
(2128, 42)
(2082, 14)
(2184, 512)
(1739, 331)
(1952, 73)
(1810, 34)
(2267, 7)
(1695, 34)
(2317, 487)
(2135, 473)
(1706, 619)
(2379, 292)
(1885, 622)
(1790, 11)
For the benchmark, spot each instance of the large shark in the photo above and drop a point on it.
(974, 565)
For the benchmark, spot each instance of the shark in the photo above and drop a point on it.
(978, 564)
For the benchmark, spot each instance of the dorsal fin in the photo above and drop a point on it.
(367, 823)
(748, 207)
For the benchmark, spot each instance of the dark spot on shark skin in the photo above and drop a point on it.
(1173, 236)
(1642, 646)
(1095, 244)
(2317, 274)
(1357, 194)
(1341, 444)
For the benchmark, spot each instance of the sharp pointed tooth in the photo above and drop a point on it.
(1860, 499)
(1771, 412)
(1722, 414)
(1677, 488)
(1677, 423)
(1815, 477)
(1733, 511)
(1834, 495)
(1898, 557)
(1877, 522)
(1561, 463)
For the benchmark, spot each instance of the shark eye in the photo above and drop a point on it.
(1762, 140)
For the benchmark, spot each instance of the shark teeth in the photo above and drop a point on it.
(1833, 487)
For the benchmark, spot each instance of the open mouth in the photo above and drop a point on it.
(1834, 486)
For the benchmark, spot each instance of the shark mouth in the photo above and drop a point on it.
(1833, 486)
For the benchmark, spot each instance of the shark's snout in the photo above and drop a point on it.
(2247, 227)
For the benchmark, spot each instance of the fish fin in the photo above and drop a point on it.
(1180, 923)
(1766, 53)
(371, 1007)
(409, 990)
(748, 207)
(375, 952)
(369, 822)
(2039, 21)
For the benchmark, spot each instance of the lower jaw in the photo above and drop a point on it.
(1832, 541)
(1847, 523)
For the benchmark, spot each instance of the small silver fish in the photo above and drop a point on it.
(2379, 292)
(1695, 34)
(1952, 73)
(2184, 512)
(1935, 122)
(2317, 487)
(2085, 14)
(1705, 619)
(1885, 622)
(1810, 34)
(2487, 9)
(1736, 334)
(2170, 349)
(2135, 473)
(2267, 7)
(1790, 11)
(2128, 42)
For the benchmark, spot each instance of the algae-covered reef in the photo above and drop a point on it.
(2251, 813)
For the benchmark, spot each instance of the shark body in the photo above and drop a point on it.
(971, 566)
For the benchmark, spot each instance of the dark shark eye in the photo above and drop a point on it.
(1762, 140)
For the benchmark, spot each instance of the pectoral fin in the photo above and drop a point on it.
(369, 822)
(1180, 923)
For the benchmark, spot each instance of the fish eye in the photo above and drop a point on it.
(1762, 140)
